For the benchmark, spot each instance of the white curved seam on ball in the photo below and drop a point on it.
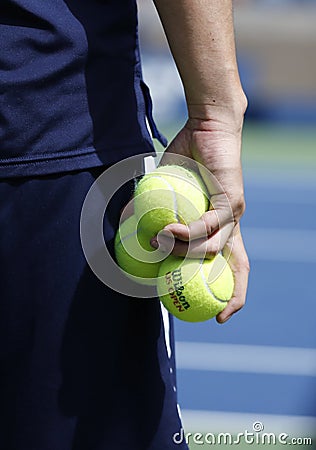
(130, 235)
(130, 253)
(175, 205)
(208, 287)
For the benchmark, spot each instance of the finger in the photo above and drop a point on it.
(193, 248)
(197, 248)
(231, 193)
(223, 208)
(195, 230)
(209, 223)
(239, 264)
(238, 299)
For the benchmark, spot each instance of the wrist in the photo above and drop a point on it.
(228, 111)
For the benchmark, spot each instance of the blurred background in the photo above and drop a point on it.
(260, 366)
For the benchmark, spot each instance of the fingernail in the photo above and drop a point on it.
(154, 243)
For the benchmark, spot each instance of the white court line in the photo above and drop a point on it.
(246, 358)
(231, 422)
(277, 244)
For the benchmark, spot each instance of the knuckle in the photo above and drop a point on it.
(247, 265)
(242, 263)
(240, 205)
(206, 218)
(238, 303)
(212, 249)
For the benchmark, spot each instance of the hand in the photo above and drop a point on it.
(215, 144)
(235, 253)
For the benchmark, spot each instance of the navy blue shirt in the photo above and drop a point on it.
(71, 89)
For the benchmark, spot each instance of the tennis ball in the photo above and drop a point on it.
(195, 290)
(134, 253)
(170, 194)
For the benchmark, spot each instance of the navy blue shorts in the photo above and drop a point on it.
(74, 374)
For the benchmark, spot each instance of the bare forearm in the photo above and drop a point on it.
(201, 38)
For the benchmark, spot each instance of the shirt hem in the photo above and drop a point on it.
(69, 161)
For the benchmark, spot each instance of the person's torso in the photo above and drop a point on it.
(70, 85)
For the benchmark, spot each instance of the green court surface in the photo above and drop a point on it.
(283, 146)
(279, 146)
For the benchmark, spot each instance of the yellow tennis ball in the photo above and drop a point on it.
(170, 194)
(195, 290)
(134, 254)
